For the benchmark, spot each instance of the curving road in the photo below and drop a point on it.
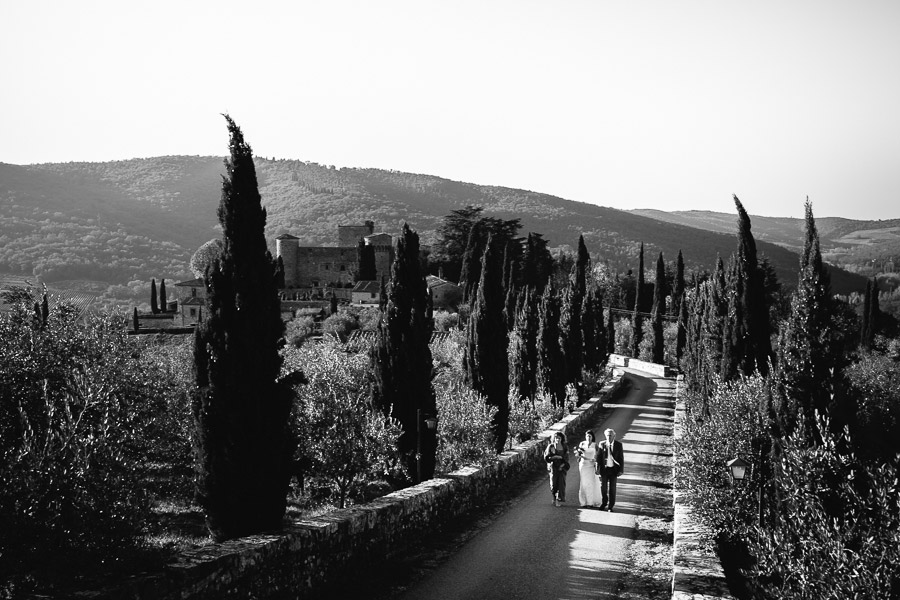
(535, 550)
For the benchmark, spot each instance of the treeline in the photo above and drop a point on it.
(801, 401)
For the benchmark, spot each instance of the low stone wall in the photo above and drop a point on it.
(697, 573)
(620, 360)
(311, 552)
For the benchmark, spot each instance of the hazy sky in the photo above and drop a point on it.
(658, 104)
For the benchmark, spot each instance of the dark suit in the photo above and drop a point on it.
(607, 474)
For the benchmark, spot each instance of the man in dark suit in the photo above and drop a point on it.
(610, 464)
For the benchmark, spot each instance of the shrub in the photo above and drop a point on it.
(445, 321)
(299, 330)
(837, 534)
(875, 384)
(527, 419)
(464, 420)
(343, 440)
(340, 325)
(76, 422)
(712, 435)
(623, 336)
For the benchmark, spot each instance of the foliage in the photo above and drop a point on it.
(485, 360)
(205, 256)
(299, 329)
(343, 439)
(637, 319)
(875, 385)
(622, 338)
(711, 437)
(551, 366)
(523, 347)
(657, 343)
(837, 533)
(464, 427)
(445, 321)
(242, 411)
(340, 324)
(527, 418)
(79, 416)
(401, 358)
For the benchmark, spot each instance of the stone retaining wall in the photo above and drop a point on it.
(311, 552)
(697, 573)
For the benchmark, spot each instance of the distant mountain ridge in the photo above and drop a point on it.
(131, 220)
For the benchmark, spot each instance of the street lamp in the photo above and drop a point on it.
(430, 423)
(737, 470)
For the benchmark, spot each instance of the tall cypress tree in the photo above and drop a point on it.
(571, 332)
(589, 331)
(537, 263)
(401, 356)
(637, 320)
(809, 356)
(712, 333)
(241, 409)
(750, 334)
(681, 335)
(864, 341)
(551, 371)
(154, 302)
(659, 306)
(678, 290)
(523, 367)
(485, 359)
(610, 333)
(471, 262)
(163, 299)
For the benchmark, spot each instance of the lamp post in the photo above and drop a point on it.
(430, 423)
(738, 471)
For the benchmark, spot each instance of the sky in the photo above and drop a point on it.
(673, 105)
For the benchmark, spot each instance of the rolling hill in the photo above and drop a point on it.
(120, 223)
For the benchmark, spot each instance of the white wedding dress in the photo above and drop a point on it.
(589, 488)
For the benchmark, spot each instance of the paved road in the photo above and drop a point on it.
(535, 550)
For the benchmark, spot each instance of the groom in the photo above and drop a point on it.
(610, 463)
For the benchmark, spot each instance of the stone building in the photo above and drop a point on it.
(333, 266)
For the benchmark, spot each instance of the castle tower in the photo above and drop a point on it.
(349, 235)
(287, 247)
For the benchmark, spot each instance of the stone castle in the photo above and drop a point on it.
(333, 266)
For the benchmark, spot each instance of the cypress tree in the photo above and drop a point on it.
(163, 300)
(551, 369)
(523, 368)
(610, 333)
(637, 320)
(809, 357)
(241, 409)
(537, 263)
(864, 318)
(485, 358)
(659, 306)
(750, 335)
(678, 291)
(154, 306)
(681, 335)
(589, 332)
(135, 324)
(401, 356)
(509, 285)
(874, 312)
(471, 263)
(601, 342)
(733, 342)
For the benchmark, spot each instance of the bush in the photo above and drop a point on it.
(875, 384)
(340, 325)
(527, 419)
(837, 531)
(343, 440)
(78, 416)
(464, 419)
(445, 321)
(713, 433)
(622, 327)
(299, 330)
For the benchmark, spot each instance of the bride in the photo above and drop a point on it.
(589, 488)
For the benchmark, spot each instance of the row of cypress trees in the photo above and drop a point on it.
(162, 304)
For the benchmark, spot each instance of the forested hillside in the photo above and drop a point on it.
(864, 247)
(123, 222)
